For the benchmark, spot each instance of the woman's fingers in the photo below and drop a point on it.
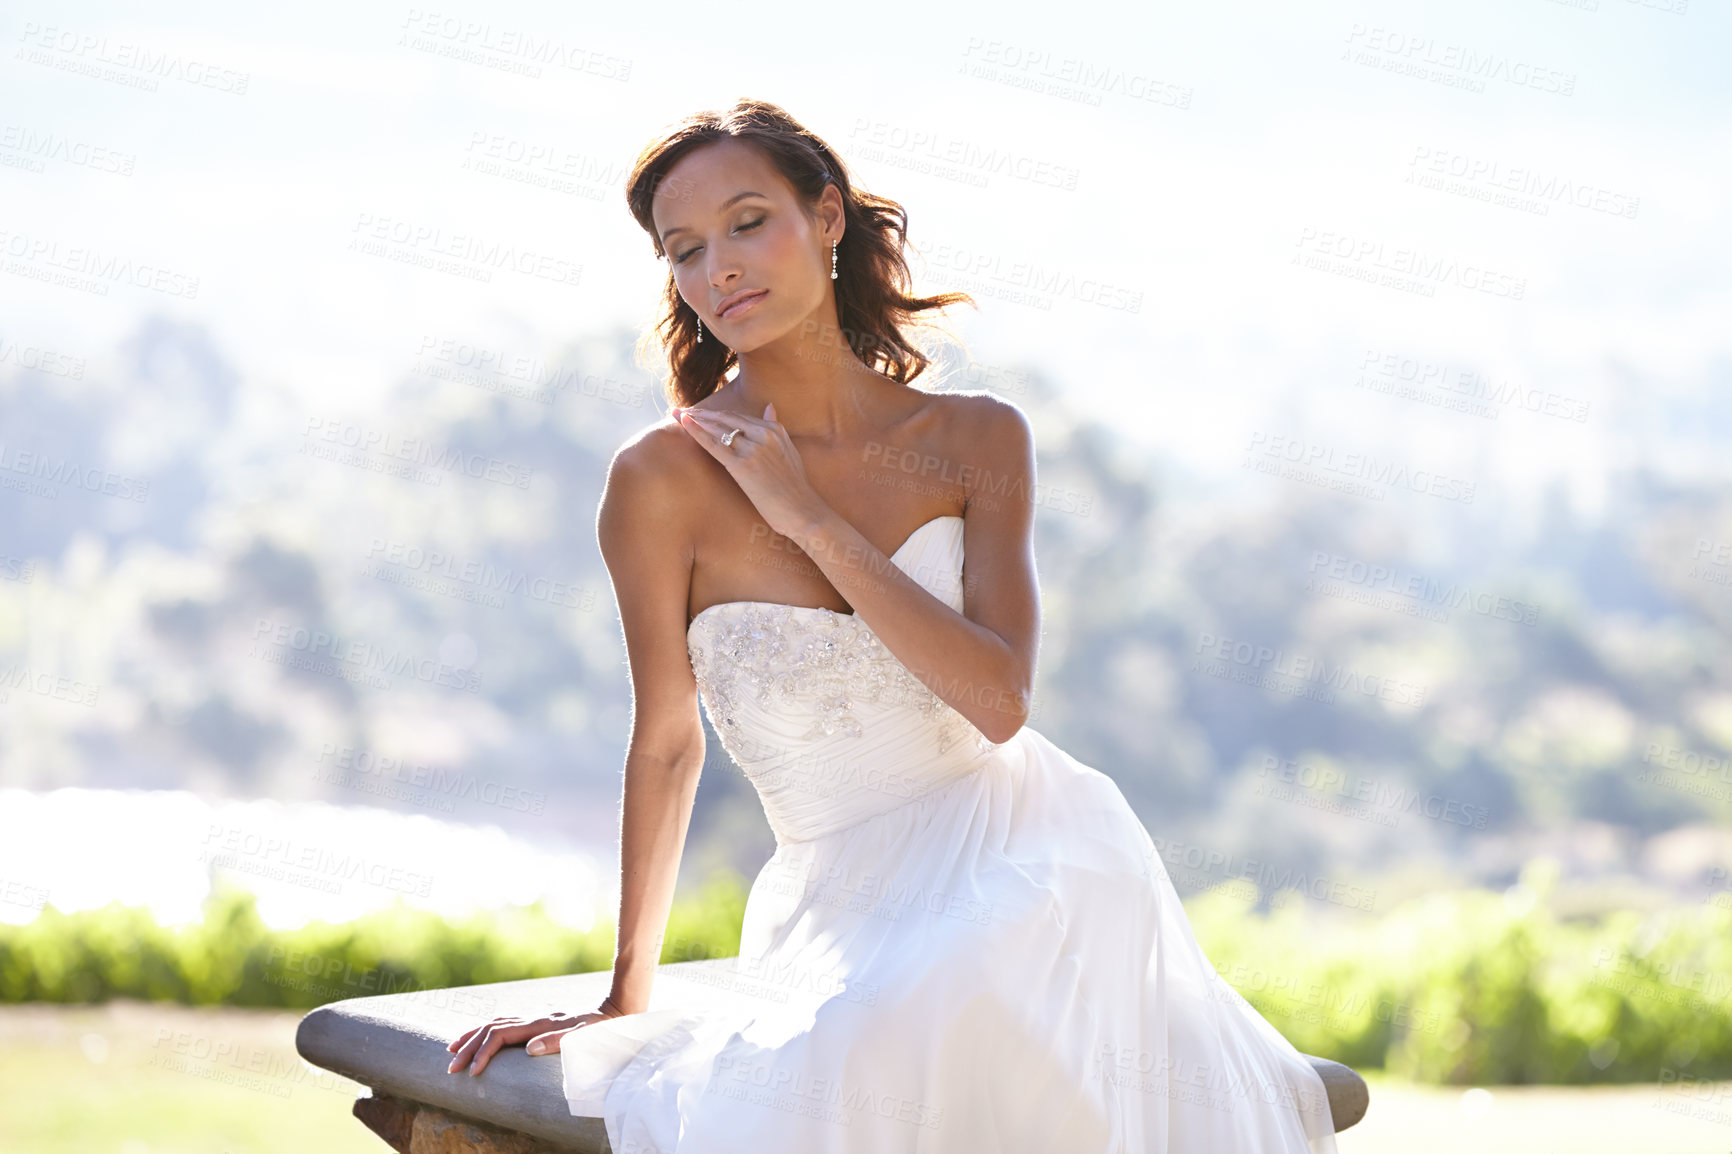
(466, 1035)
(490, 1043)
(548, 1043)
(468, 1044)
(495, 1039)
(709, 431)
(709, 423)
(477, 1047)
(694, 424)
(698, 431)
(716, 424)
(718, 421)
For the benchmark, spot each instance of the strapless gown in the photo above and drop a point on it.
(957, 947)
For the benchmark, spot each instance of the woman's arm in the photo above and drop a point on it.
(981, 661)
(649, 560)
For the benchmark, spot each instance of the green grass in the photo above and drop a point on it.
(159, 1078)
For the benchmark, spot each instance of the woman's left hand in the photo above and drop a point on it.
(764, 463)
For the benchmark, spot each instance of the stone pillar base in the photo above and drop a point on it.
(417, 1128)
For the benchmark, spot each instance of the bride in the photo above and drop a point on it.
(965, 940)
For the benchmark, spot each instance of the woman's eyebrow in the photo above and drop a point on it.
(726, 204)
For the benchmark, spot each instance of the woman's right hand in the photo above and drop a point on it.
(477, 1046)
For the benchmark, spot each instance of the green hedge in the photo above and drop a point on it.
(1471, 988)
(1460, 987)
(233, 958)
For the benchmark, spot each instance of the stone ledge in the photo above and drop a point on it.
(1349, 1097)
(395, 1044)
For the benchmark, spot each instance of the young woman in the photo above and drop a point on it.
(965, 940)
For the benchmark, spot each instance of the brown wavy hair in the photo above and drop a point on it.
(873, 304)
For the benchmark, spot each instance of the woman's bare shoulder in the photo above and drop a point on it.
(980, 419)
(654, 473)
(659, 448)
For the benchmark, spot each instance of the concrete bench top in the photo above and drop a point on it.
(395, 1044)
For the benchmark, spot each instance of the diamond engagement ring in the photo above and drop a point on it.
(728, 438)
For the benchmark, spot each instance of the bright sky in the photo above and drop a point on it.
(1186, 153)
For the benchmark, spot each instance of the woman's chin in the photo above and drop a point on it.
(750, 341)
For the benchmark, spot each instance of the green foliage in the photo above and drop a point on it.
(233, 958)
(1466, 987)
(1478, 988)
(709, 926)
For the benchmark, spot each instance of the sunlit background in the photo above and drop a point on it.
(1386, 340)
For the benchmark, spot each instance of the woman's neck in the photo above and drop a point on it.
(817, 397)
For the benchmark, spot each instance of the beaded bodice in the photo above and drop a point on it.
(826, 723)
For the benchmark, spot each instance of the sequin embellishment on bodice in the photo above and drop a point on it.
(811, 704)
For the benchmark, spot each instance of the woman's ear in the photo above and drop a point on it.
(836, 212)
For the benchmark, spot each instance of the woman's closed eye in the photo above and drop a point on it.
(750, 224)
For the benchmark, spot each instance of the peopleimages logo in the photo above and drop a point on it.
(1522, 184)
(1300, 458)
(446, 783)
(1370, 259)
(1375, 795)
(1297, 673)
(1463, 390)
(48, 471)
(353, 659)
(1458, 65)
(88, 268)
(1266, 876)
(139, 65)
(447, 251)
(251, 851)
(1333, 575)
(391, 447)
(472, 578)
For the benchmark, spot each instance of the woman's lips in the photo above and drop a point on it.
(745, 305)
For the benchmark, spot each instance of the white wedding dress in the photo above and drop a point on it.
(957, 947)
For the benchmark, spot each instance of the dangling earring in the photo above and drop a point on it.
(700, 328)
(833, 245)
